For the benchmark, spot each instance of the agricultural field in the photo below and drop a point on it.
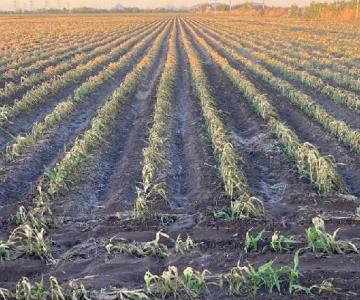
(179, 156)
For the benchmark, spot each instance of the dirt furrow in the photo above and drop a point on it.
(192, 182)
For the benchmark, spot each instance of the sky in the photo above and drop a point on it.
(9, 4)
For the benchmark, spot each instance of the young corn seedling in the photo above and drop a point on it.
(251, 241)
(293, 276)
(142, 209)
(26, 291)
(325, 287)
(266, 276)
(165, 285)
(189, 284)
(250, 206)
(155, 248)
(236, 279)
(249, 279)
(194, 282)
(56, 291)
(23, 217)
(321, 241)
(320, 170)
(152, 248)
(67, 171)
(357, 212)
(153, 182)
(281, 243)
(5, 294)
(5, 249)
(185, 246)
(31, 241)
(78, 291)
(125, 248)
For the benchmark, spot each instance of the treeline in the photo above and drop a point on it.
(345, 10)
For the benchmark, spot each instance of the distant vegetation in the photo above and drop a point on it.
(344, 10)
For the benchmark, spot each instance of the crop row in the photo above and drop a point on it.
(339, 129)
(152, 184)
(17, 69)
(228, 161)
(22, 143)
(326, 45)
(56, 47)
(338, 75)
(310, 61)
(275, 58)
(11, 89)
(320, 170)
(294, 47)
(85, 44)
(55, 39)
(50, 88)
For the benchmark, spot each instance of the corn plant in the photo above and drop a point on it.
(281, 243)
(188, 285)
(194, 282)
(78, 291)
(28, 217)
(307, 55)
(321, 241)
(5, 294)
(56, 290)
(124, 294)
(66, 62)
(152, 248)
(239, 209)
(357, 212)
(31, 241)
(5, 250)
(27, 291)
(165, 285)
(185, 246)
(248, 279)
(251, 241)
(325, 286)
